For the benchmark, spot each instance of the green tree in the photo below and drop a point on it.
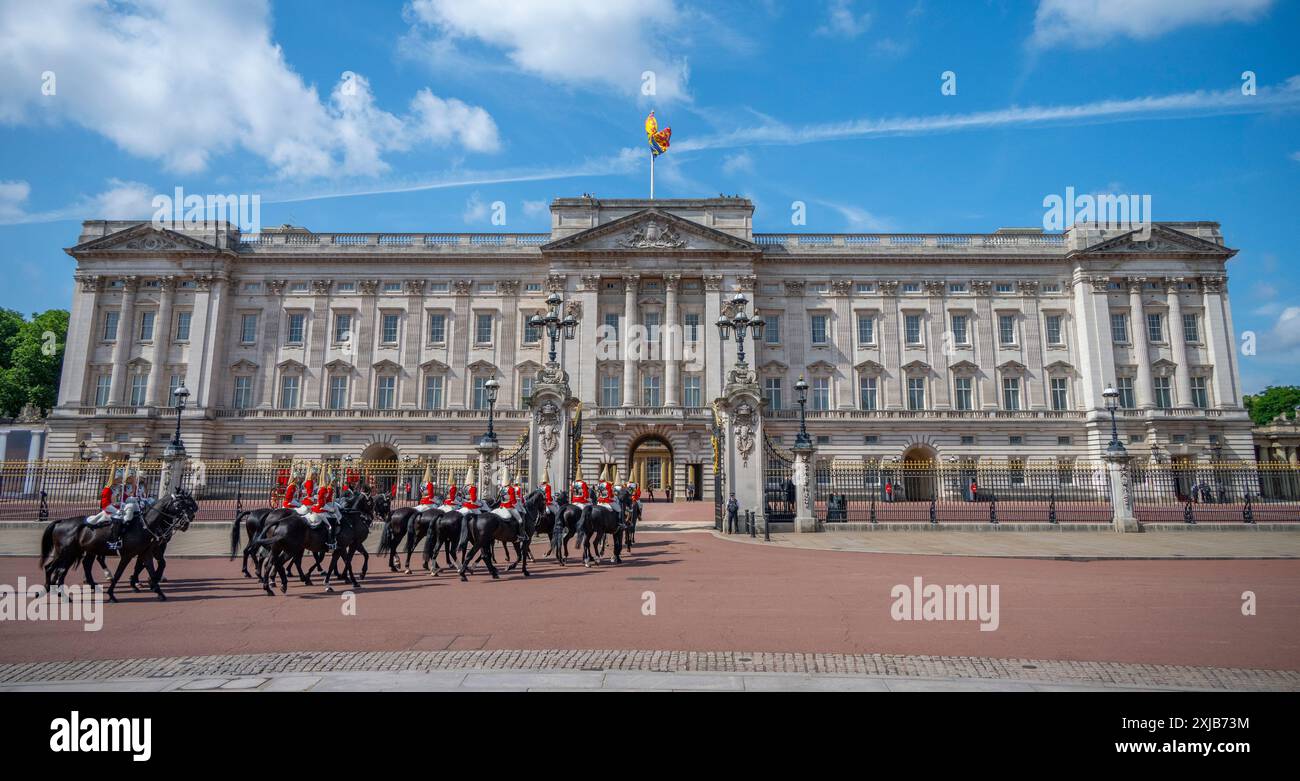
(31, 360)
(1274, 401)
(10, 322)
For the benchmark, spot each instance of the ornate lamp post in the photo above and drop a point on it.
(554, 324)
(181, 394)
(491, 388)
(1112, 403)
(740, 322)
(801, 388)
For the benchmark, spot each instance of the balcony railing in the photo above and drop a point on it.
(914, 241)
(327, 241)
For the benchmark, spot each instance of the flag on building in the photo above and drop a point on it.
(657, 138)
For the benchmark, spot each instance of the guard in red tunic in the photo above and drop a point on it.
(427, 497)
(291, 494)
(449, 501)
(326, 510)
(581, 493)
(470, 505)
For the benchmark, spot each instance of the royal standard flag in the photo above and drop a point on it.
(658, 138)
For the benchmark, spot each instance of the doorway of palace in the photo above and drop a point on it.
(919, 473)
(651, 460)
(379, 466)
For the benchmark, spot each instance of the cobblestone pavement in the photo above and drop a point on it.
(623, 670)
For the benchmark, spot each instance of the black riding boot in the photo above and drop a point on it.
(332, 539)
(115, 534)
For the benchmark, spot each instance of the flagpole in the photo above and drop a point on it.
(652, 175)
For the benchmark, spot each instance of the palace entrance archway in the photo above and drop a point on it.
(651, 463)
(919, 483)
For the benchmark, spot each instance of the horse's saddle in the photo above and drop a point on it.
(99, 520)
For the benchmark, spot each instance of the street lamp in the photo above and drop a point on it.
(181, 394)
(1112, 403)
(801, 388)
(554, 324)
(740, 322)
(491, 388)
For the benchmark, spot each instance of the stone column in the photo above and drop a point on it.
(941, 388)
(743, 427)
(363, 347)
(986, 358)
(317, 344)
(580, 364)
(162, 338)
(122, 344)
(508, 341)
(552, 406)
(410, 389)
(1178, 344)
(202, 372)
(1121, 492)
(712, 358)
(35, 450)
(458, 356)
(671, 343)
(890, 340)
(1035, 397)
(805, 520)
(271, 341)
(1221, 347)
(82, 334)
(844, 342)
(487, 468)
(173, 470)
(1138, 338)
(631, 284)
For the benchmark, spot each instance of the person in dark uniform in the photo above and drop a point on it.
(733, 510)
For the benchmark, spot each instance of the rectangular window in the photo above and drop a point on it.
(1006, 329)
(109, 333)
(525, 390)
(866, 329)
(693, 326)
(650, 321)
(183, 326)
(611, 324)
(819, 335)
(772, 392)
(1003, 287)
(386, 395)
(650, 387)
(243, 396)
(248, 328)
(433, 392)
(478, 399)
(532, 333)
(1119, 328)
(1060, 393)
(1164, 394)
(289, 391)
(611, 391)
(1126, 393)
(1191, 329)
(1200, 393)
(691, 396)
(960, 333)
(821, 393)
(174, 382)
(957, 287)
(962, 394)
(483, 328)
(103, 383)
(146, 326)
(139, 386)
(868, 389)
(916, 393)
(1017, 469)
(1054, 335)
(392, 287)
(297, 322)
(342, 327)
(389, 332)
(1011, 393)
(437, 328)
(772, 332)
(1155, 327)
(912, 329)
(338, 392)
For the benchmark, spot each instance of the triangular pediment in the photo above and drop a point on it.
(821, 367)
(774, 367)
(290, 365)
(482, 367)
(964, 369)
(1011, 367)
(651, 230)
(243, 365)
(1162, 241)
(143, 238)
(1059, 367)
(386, 366)
(339, 365)
(434, 366)
(870, 368)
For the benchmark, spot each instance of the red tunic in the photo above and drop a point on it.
(511, 496)
(581, 494)
(289, 494)
(427, 496)
(548, 493)
(451, 494)
(106, 497)
(471, 500)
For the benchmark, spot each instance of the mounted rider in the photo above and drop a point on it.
(470, 504)
(292, 499)
(551, 505)
(326, 510)
(449, 501)
(427, 496)
(580, 494)
(508, 509)
(117, 502)
(606, 495)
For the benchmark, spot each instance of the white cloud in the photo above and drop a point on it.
(1285, 97)
(739, 163)
(185, 82)
(535, 208)
(842, 21)
(1088, 23)
(120, 201)
(1286, 331)
(13, 195)
(583, 42)
(476, 210)
(857, 219)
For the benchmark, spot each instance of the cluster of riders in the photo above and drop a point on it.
(332, 517)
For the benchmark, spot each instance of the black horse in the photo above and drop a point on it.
(154, 527)
(597, 521)
(253, 522)
(288, 537)
(56, 571)
(485, 527)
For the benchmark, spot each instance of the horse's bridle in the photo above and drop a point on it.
(173, 520)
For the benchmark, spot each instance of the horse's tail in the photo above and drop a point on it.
(234, 532)
(431, 543)
(385, 539)
(47, 541)
(464, 532)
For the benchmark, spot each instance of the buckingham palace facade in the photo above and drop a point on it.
(297, 344)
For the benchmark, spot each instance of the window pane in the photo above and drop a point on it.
(433, 392)
(437, 328)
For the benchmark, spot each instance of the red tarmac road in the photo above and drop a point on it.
(709, 594)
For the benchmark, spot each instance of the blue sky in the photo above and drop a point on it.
(452, 105)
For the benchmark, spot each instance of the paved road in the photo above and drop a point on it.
(711, 594)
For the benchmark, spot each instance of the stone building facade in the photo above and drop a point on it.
(916, 346)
